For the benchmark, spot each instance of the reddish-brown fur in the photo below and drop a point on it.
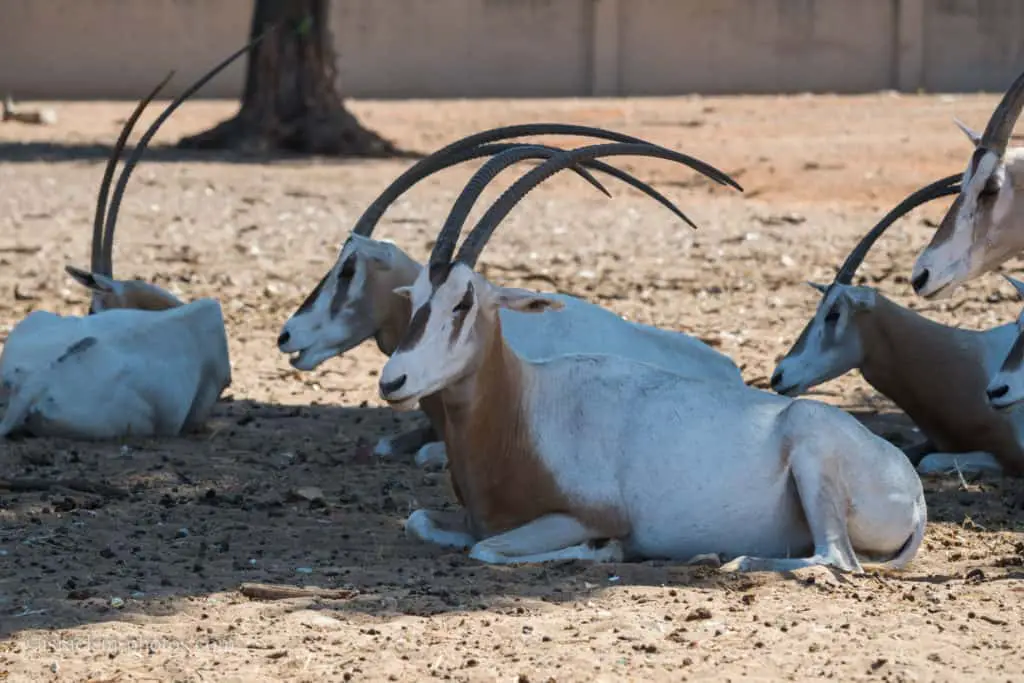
(503, 481)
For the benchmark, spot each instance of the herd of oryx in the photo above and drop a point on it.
(569, 432)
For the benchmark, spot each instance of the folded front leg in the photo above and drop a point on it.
(547, 539)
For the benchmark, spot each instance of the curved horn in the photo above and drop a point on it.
(949, 185)
(449, 234)
(96, 263)
(1000, 125)
(475, 241)
(140, 146)
(439, 160)
(489, 171)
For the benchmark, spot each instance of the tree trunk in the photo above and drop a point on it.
(290, 100)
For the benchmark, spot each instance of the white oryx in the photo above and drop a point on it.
(938, 375)
(141, 363)
(601, 457)
(985, 225)
(355, 300)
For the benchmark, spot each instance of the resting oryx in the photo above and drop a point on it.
(602, 457)
(985, 225)
(936, 374)
(141, 362)
(355, 301)
(1006, 387)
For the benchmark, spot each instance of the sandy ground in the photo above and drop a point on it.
(145, 587)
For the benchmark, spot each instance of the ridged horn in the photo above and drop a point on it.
(481, 233)
(949, 185)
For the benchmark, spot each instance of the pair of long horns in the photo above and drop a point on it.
(481, 233)
(105, 218)
(478, 145)
(950, 185)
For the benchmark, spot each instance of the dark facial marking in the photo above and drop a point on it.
(461, 310)
(308, 303)
(417, 326)
(1015, 358)
(976, 157)
(79, 346)
(348, 269)
(832, 317)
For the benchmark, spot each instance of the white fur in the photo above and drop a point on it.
(695, 467)
(315, 335)
(145, 373)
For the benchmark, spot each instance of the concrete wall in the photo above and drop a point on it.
(492, 48)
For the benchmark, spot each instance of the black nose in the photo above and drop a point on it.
(777, 379)
(283, 339)
(920, 281)
(391, 387)
(998, 392)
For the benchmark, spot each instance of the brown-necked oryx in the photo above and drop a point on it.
(938, 375)
(600, 456)
(141, 362)
(985, 225)
(355, 300)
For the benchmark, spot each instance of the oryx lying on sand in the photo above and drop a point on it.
(141, 362)
(355, 300)
(601, 457)
(936, 374)
(985, 225)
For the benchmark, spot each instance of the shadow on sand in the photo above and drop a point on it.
(289, 495)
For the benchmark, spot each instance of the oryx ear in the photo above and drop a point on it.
(525, 301)
(974, 137)
(93, 281)
(821, 288)
(405, 292)
(1017, 284)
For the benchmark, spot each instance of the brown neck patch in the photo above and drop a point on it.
(495, 468)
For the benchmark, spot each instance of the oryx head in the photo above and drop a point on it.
(985, 225)
(355, 299)
(831, 344)
(108, 292)
(454, 309)
(1006, 387)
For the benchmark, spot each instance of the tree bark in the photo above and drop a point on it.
(290, 102)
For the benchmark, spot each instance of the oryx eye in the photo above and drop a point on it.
(466, 302)
(348, 268)
(991, 188)
(833, 317)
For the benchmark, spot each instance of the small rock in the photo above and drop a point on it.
(699, 614)
(116, 603)
(304, 570)
(309, 493)
(183, 532)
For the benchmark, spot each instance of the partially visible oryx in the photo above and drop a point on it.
(141, 362)
(355, 300)
(604, 457)
(938, 375)
(985, 225)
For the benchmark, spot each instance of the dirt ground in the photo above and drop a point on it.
(101, 587)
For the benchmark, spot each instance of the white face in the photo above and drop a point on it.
(830, 344)
(452, 321)
(340, 313)
(978, 232)
(1006, 388)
